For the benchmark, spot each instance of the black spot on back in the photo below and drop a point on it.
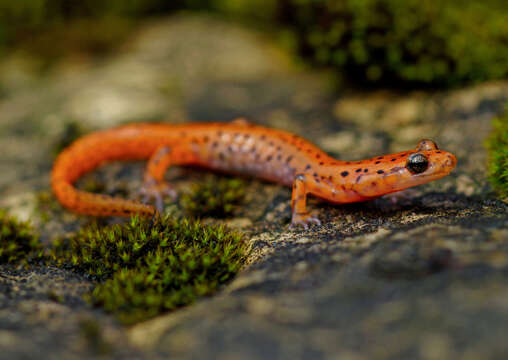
(344, 173)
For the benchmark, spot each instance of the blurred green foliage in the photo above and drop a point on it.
(498, 155)
(419, 42)
(53, 27)
(431, 42)
(97, 24)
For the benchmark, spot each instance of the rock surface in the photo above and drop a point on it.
(422, 275)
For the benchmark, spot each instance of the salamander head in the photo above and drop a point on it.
(399, 171)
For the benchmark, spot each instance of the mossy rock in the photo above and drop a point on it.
(147, 267)
(498, 155)
(18, 242)
(415, 42)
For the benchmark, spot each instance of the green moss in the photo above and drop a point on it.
(498, 155)
(18, 242)
(147, 268)
(47, 205)
(215, 198)
(407, 42)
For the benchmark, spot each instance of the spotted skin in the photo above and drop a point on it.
(239, 148)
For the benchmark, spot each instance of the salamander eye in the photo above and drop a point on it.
(417, 163)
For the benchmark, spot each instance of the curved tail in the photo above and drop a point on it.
(84, 155)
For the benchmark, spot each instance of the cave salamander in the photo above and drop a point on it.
(240, 148)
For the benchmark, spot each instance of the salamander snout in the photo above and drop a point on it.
(451, 161)
(430, 164)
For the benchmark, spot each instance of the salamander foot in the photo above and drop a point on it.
(155, 191)
(303, 220)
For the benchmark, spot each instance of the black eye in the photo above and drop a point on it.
(417, 163)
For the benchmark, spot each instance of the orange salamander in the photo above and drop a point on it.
(242, 148)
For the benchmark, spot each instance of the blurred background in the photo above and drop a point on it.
(396, 43)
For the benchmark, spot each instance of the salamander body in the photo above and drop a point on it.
(239, 148)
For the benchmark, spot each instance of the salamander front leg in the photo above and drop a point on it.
(300, 216)
(154, 187)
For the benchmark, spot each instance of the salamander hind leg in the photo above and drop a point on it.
(300, 216)
(154, 187)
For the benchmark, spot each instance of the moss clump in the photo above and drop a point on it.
(18, 242)
(416, 42)
(147, 268)
(46, 205)
(498, 155)
(215, 198)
